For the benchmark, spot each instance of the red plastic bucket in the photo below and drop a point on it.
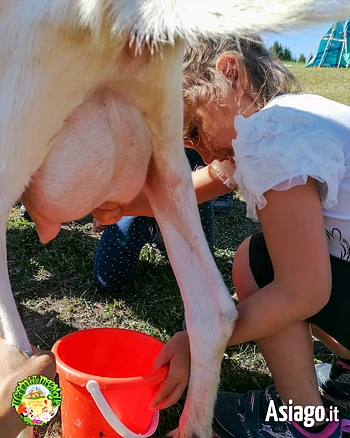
(107, 383)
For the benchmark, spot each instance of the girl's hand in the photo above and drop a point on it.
(97, 227)
(108, 213)
(175, 354)
(111, 212)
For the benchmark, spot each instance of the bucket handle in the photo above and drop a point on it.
(93, 387)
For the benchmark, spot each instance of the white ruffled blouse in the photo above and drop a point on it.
(294, 137)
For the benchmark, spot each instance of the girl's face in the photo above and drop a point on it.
(210, 125)
(211, 129)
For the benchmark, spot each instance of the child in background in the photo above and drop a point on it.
(118, 252)
(292, 158)
(223, 203)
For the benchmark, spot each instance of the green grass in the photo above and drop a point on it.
(332, 83)
(55, 293)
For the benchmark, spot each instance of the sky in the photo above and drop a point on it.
(302, 41)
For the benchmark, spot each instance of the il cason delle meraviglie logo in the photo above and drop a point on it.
(36, 400)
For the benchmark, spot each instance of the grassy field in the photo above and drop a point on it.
(328, 82)
(55, 293)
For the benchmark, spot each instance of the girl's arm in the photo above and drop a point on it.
(294, 232)
(206, 183)
(293, 225)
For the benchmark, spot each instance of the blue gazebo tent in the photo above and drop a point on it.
(333, 49)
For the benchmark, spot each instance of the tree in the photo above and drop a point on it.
(302, 58)
(283, 53)
(276, 49)
(287, 54)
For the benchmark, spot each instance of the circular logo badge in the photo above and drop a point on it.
(36, 400)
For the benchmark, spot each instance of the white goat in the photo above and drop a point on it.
(53, 54)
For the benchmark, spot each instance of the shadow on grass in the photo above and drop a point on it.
(44, 329)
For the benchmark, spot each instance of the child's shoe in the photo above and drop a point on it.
(245, 416)
(334, 384)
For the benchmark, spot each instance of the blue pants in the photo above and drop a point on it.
(119, 248)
